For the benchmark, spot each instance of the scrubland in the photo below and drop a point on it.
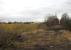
(30, 37)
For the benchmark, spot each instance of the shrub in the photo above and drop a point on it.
(7, 40)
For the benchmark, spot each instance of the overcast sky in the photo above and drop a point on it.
(32, 10)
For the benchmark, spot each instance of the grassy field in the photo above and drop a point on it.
(29, 37)
(18, 27)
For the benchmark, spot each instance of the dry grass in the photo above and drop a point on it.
(18, 27)
(33, 36)
(42, 38)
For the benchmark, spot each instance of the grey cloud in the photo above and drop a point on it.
(56, 6)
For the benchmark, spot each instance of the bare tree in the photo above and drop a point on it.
(66, 21)
(51, 21)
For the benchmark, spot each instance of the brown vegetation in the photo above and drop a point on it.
(50, 35)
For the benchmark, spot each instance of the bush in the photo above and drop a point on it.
(7, 40)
